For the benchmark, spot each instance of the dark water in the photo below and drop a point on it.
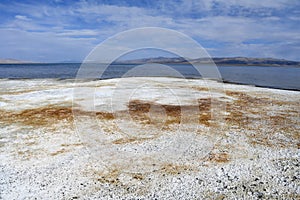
(275, 77)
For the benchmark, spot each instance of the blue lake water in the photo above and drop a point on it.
(275, 77)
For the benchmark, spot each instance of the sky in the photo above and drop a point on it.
(57, 30)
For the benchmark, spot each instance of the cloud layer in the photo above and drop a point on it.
(53, 31)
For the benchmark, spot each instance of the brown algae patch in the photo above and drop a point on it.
(174, 169)
(205, 111)
(105, 115)
(139, 112)
(42, 116)
(199, 88)
(61, 151)
(129, 140)
(219, 157)
(47, 115)
(260, 115)
(243, 105)
(138, 176)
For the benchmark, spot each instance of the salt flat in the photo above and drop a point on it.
(147, 138)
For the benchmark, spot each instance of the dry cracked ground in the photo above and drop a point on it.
(147, 138)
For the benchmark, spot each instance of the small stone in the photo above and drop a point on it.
(260, 195)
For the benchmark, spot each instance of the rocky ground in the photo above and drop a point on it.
(147, 138)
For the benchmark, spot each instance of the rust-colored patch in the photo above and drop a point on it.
(262, 141)
(205, 111)
(63, 150)
(247, 100)
(42, 116)
(25, 155)
(105, 115)
(220, 157)
(271, 141)
(47, 115)
(138, 176)
(128, 140)
(199, 88)
(253, 113)
(175, 169)
(241, 107)
(279, 120)
(139, 112)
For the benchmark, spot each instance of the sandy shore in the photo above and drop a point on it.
(147, 138)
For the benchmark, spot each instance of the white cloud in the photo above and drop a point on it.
(22, 17)
(208, 5)
(83, 32)
(259, 3)
(89, 23)
(26, 45)
(236, 30)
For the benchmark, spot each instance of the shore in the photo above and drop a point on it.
(147, 138)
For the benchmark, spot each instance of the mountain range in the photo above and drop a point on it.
(219, 61)
(241, 61)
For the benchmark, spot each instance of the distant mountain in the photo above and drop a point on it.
(220, 61)
(255, 61)
(241, 61)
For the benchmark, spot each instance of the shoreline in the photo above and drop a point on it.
(173, 63)
(188, 78)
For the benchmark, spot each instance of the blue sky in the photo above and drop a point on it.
(57, 30)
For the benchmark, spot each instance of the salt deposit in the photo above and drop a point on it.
(147, 138)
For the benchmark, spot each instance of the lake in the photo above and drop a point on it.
(273, 77)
